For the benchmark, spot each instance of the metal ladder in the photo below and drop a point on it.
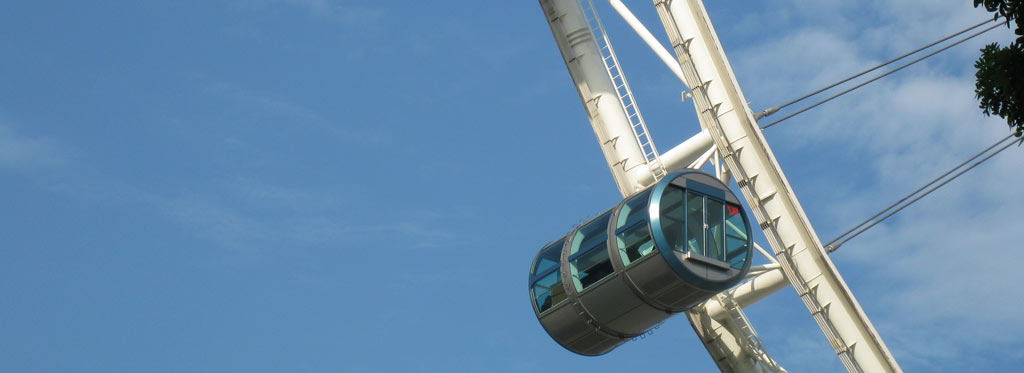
(622, 90)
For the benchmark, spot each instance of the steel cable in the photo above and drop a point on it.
(832, 245)
(771, 110)
(958, 42)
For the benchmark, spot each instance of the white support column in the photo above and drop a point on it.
(682, 155)
(751, 291)
(598, 94)
(723, 111)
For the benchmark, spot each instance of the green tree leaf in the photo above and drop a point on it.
(999, 84)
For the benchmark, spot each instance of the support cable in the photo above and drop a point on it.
(833, 246)
(774, 109)
(958, 42)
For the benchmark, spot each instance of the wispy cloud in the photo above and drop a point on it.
(941, 274)
(280, 111)
(338, 11)
(209, 220)
(350, 15)
(21, 151)
(251, 216)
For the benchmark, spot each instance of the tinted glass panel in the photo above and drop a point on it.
(548, 258)
(632, 236)
(589, 252)
(716, 231)
(592, 267)
(736, 236)
(671, 216)
(737, 254)
(548, 291)
(594, 234)
(734, 222)
(634, 242)
(695, 223)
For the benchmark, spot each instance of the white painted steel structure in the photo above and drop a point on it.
(731, 138)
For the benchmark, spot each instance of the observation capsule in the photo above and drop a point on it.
(659, 252)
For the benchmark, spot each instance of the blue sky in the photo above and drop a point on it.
(324, 185)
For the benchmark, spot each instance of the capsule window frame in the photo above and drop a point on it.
(581, 251)
(551, 290)
(642, 219)
(541, 256)
(706, 239)
(575, 271)
(747, 240)
(535, 278)
(664, 206)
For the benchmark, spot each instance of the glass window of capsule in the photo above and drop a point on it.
(588, 253)
(711, 227)
(546, 286)
(658, 252)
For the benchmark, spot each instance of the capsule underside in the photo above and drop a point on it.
(657, 253)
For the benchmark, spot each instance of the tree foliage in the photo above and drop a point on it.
(1000, 77)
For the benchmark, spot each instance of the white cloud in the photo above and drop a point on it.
(337, 11)
(19, 151)
(253, 216)
(942, 275)
(209, 220)
(279, 111)
(250, 217)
